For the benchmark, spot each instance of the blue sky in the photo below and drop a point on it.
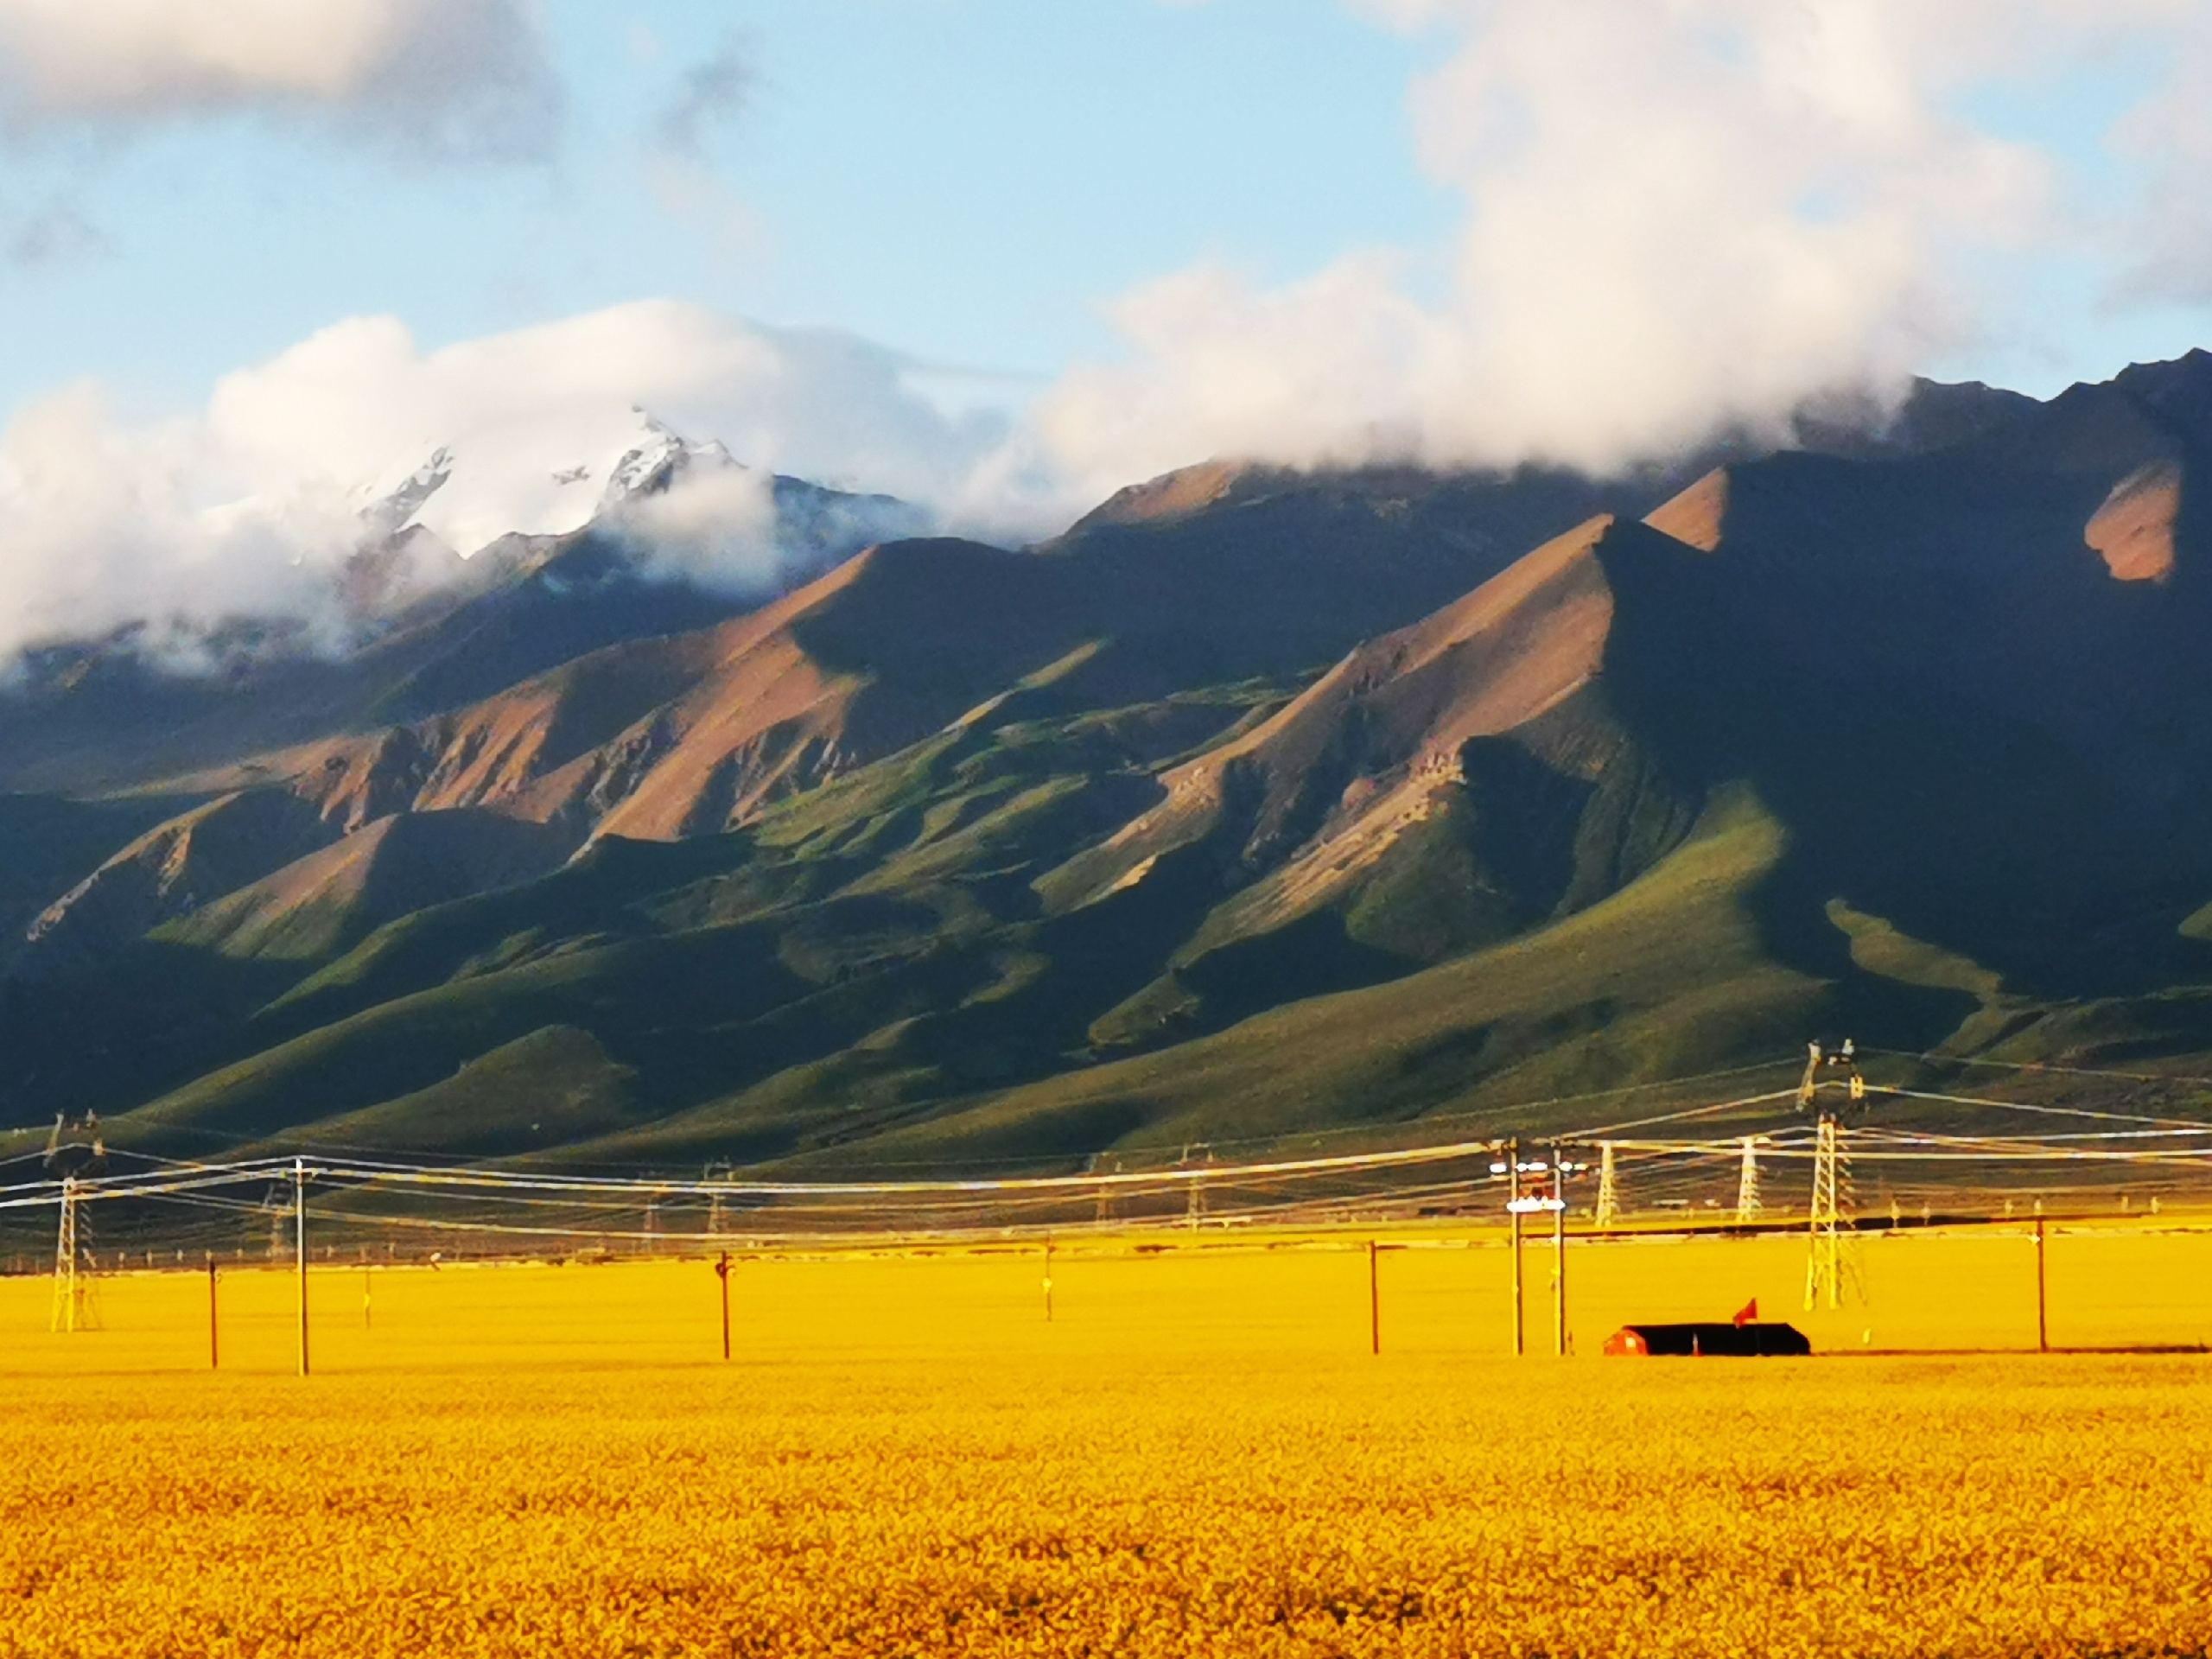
(966, 180)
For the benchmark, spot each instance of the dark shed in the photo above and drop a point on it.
(1750, 1340)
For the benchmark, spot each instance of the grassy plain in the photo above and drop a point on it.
(1198, 1455)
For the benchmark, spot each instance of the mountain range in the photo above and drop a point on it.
(1258, 804)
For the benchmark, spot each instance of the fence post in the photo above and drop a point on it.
(214, 1339)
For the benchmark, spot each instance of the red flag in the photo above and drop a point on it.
(1747, 1313)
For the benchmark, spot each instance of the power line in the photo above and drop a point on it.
(495, 1201)
(1931, 1057)
(2047, 1111)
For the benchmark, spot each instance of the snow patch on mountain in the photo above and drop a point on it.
(683, 508)
(524, 479)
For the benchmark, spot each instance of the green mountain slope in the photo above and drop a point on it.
(1257, 808)
(1669, 977)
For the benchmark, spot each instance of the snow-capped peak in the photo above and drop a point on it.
(473, 489)
(657, 462)
(391, 513)
(682, 507)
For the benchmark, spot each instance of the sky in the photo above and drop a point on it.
(967, 180)
(1002, 257)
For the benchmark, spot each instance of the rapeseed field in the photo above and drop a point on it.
(1197, 1455)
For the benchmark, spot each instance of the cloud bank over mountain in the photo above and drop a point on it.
(435, 73)
(253, 503)
(1681, 217)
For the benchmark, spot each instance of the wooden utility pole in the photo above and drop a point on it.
(1513, 1210)
(1559, 1253)
(214, 1339)
(1048, 1282)
(2042, 1324)
(721, 1272)
(300, 1215)
(1374, 1301)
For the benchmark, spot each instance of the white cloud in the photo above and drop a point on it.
(104, 525)
(361, 402)
(1681, 215)
(2169, 138)
(439, 73)
(252, 504)
(711, 94)
(714, 527)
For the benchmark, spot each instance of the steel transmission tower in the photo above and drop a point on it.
(1831, 1264)
(1105, 1205)
(74, 1149)
(1831, 1261)
(1609, 1192)
(1747, 1182)
(1196, 1212)
(71, 1311)
(716, 1220)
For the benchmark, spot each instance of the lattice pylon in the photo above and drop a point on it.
(1831, 1263)
(1196, 1210)
(1105, 1194)
(73, 1307)
(1609, 1192)
(1748, 1205)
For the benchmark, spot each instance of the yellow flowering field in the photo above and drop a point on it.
(1197, 1455)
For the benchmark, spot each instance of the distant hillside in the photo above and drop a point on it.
(1258, 804)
